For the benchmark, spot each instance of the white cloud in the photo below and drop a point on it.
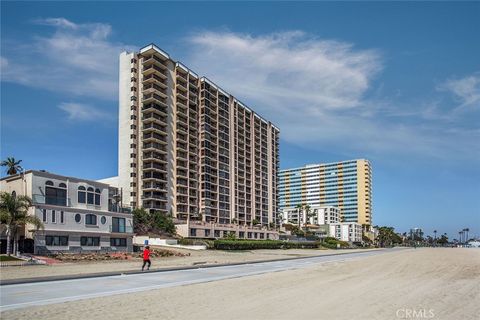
(287, 68)
(82, 112)
(315, 91)
(75, 59)
(466, 90)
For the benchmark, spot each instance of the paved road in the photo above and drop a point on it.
(42, 293)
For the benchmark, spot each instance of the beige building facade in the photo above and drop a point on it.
(189, 148)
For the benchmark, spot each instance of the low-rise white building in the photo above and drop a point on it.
(316, 215)
(78, 215)
(346, 231)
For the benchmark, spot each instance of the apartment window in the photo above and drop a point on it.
(249, 235)
(262, 235)
(133, 194)
(133, 79)
(90, 195)
(56, 240)
(133, 146)
(62, 217)
(133, 70)
(241, 234)
(82, 195)
(97, 197)
(118, 242)
(78, 218)
(133, 155)
(133, 127)
(193, 232)
(133, 117)
(91, 219)
(133, 136)
(133, 60)
(133, 165)
(54, 195)
(133, 174)
(133, 98)
(118, 225)
(103, 220)
(54, 216)
(44, 215)
(90, 241)
(207, 233)
(216, 233)
(133, 89)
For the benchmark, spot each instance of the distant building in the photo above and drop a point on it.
(346, 185)
(416, 234)
(79, 215)
(346, 231)
(316, 215)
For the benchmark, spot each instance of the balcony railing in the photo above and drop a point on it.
(56, 201)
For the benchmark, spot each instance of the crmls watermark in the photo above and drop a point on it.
(409, 313)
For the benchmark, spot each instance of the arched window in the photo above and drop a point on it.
(91, 219)
(90, 195)
(14, 194)
(82, 195)
(97, 197)
(55, 196)
(62, 185)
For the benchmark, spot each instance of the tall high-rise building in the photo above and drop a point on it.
(189, 148)
(346, 185)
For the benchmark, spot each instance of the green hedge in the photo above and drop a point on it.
(331, 243)
(262, 244)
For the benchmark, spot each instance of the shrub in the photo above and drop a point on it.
(331, 243)
(224, 244)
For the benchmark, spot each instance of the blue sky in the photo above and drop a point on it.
(396, 83)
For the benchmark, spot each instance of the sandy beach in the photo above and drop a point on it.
(195, 258)
(435, 282)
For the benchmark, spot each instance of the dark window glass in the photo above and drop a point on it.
(118, 242)
(44, 214)
(90, 198)
(62, 185)
(49, 183)
(81, 197)
(118, 225)
(90, 241)
(91, 219)
(97, 199)
(62, 217)
(103, 220)
(56, 240)
(78, 217)
(55, 196)
(54, 216)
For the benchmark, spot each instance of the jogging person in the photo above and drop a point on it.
(146, 258)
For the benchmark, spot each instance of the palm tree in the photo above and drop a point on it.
(14, 213)
(435, 232)
(13, 166)
(466, 234)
